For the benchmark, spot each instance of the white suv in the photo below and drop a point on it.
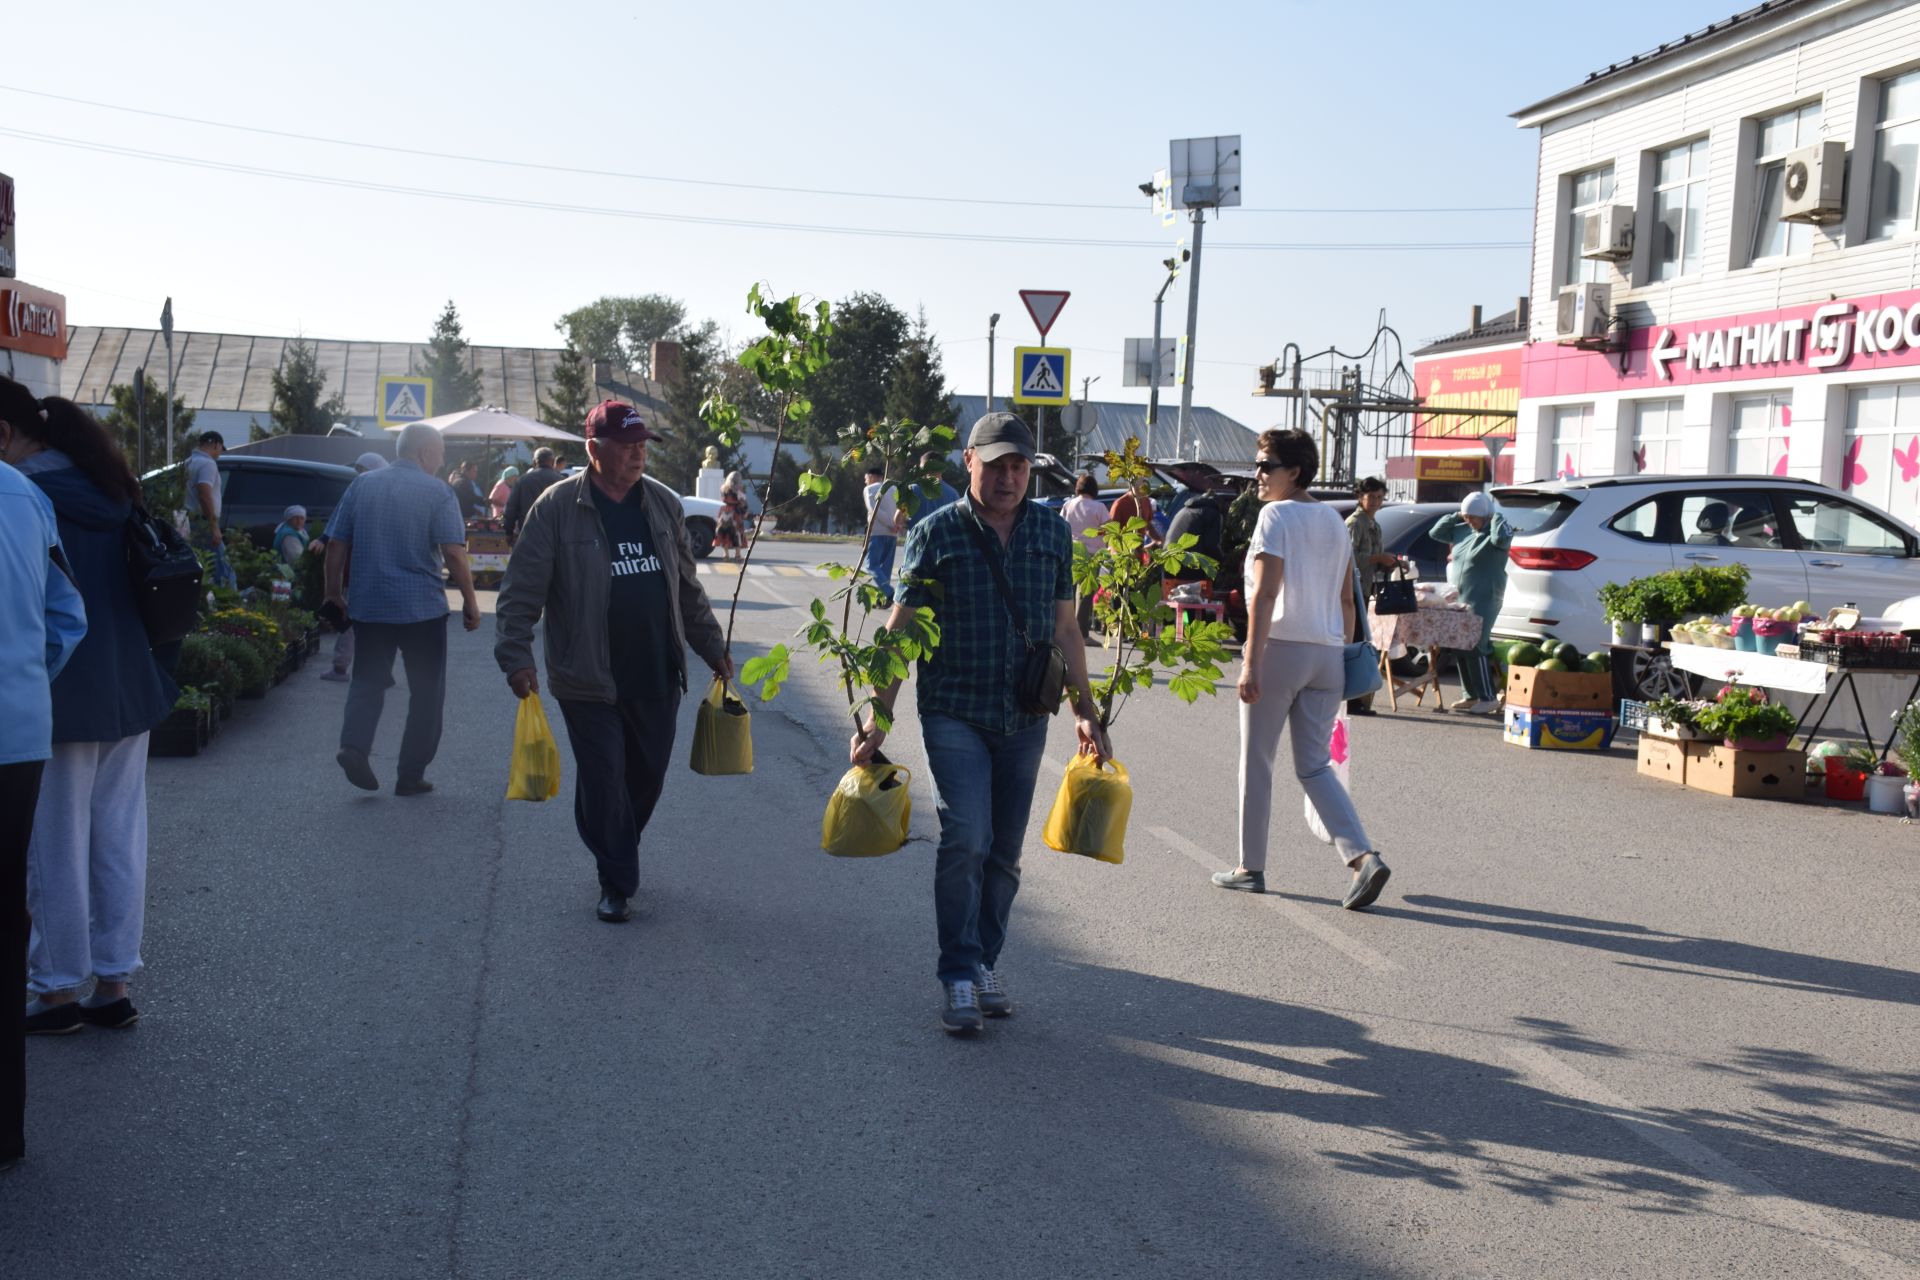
(1800, 540)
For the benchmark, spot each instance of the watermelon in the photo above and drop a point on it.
(1599, 660)
(1525, 655)
(1568, 654)
(1552, 664)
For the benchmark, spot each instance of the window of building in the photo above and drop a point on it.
(1757, 443)
(1778, 135)
(1656, 437)
(1574, 452)
(1588, 191)
(1679, 209)
(1896, 158)
(1881, 461)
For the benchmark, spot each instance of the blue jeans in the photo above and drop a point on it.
(983, 791)
(223, 575)
(880, 548)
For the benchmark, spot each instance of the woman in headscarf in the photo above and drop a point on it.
(731, 536)
(503, 491)
(1480, 537)
(290, 539)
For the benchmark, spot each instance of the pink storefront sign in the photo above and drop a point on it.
(1851, 336)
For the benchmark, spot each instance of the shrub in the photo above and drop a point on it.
(252, 667)
(204, 666)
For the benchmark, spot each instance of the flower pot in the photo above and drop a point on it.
(1886, 793)
(1673, 732)
(1778, 742)
(1742, 629)
(1625, 632)
(1844, 783)
(1650, 634)
(177, 735)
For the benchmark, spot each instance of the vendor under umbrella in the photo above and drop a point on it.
(1480, 537)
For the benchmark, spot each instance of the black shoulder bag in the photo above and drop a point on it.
(166, 576)
(1043, 678)
(1394, 593)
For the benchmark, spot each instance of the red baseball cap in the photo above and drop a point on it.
(618, 421)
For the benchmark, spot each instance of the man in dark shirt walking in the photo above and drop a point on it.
(982, 748)
(606, 559)
(544, 475)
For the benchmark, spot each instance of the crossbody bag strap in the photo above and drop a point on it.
(999, 577)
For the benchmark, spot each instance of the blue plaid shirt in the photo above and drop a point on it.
(395, 521)
(972, 675)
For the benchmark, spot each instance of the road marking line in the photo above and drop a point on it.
(791, 571)
(1788, 1213)
(1352, 948)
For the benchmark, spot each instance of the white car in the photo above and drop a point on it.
(1800, 541)
(703, 520)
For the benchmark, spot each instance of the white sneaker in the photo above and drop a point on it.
(1485, 708)
(1463, 704)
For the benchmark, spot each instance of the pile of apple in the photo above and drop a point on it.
(1796, 613)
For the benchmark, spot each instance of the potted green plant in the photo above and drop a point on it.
(1744, 719)
(1886, 788)
(184, 730)
(1675, 718)
(1624, 609)
(1848, 770)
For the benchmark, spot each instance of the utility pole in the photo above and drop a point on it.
(992, 321)
(1153, 392)
(166, 331)
(1180, 439)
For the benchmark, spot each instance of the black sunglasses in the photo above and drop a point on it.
(1265, 465)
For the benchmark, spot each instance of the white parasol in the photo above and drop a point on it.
(489, 423)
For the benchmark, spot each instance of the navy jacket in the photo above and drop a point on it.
(112, 687)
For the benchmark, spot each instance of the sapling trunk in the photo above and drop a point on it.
(746, 556)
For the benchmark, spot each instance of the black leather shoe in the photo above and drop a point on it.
(1373, 878)
(613, 909)
(358, 771)
(55, 1020)
(117, 1016)
(412, 787)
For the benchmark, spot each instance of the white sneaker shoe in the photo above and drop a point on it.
(1463, 704)
(1484, 708)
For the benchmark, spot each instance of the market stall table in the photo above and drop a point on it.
(1792, 675)
(1431, 627)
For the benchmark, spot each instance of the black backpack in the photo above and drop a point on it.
(166, 578)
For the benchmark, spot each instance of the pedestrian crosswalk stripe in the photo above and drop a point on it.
(793, 571)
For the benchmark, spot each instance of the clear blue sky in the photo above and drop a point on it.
(1359, 104)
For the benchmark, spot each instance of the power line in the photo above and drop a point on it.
(696, 182)
(463, 197)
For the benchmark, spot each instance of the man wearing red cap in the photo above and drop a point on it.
(605, 557)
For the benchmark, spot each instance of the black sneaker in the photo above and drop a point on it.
(412, 787)
(991, 993)
(55, 1020)
(613, 909)
(117, 1016)
(358, 771)
(960, 1010)
(1373, 878)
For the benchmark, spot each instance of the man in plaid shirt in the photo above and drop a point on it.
(982, 749)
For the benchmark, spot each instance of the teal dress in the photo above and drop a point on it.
(1478, 571)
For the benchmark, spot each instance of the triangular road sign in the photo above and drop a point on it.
(1044, 306)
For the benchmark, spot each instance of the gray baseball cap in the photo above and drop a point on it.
(999, 434)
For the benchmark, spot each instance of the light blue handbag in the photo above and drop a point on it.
(1361, 658)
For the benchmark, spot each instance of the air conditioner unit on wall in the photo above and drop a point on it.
(1584, 314)
(1813, 187)
(1608, 235)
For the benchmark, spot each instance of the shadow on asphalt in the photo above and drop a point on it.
(1737, 961)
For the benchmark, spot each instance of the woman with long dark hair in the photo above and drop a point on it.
(87, 860)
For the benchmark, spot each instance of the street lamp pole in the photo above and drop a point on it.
(166, 331)
(1153, 390)
(992, 320)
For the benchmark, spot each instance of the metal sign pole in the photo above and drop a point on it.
(1153, 392)
(166, 331)
(1180, 441)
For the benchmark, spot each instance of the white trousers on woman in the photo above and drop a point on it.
(87, 865)
(1300, 688)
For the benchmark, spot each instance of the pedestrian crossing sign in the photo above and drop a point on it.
(1041, 375)
(405, 399)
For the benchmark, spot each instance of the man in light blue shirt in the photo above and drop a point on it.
(45, 622)
(400, 530)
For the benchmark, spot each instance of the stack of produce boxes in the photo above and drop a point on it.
(1559, 701)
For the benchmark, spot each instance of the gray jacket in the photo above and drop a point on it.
(560, 567)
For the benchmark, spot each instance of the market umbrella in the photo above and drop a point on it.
(489, 423)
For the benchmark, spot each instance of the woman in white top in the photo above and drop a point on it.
(1300, 606)
(1085, 513)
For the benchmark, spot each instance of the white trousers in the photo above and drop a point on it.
(87, 865)
(1300, 688)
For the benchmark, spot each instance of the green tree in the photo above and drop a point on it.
(572, 394)
(298, 385)
(621, 329)
(919, 390)
(455, 385)
(864, 355)
(676, 460)
(122, 420)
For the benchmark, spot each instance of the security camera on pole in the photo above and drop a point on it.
(1204, 174)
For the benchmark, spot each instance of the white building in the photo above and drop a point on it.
(1724, 338)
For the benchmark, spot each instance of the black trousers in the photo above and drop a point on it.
(620, 755)
(423, 647)
(19, 793)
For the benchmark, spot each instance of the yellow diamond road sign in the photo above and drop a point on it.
(405, 399)
(1041, 375)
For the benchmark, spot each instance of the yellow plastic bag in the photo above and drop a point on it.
(722, 733)
(1090, 811)
(534, 773)
(868, 812)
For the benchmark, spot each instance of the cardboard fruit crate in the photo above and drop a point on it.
(1750, 775)
(1560, 690)
(1550, 730)
(1664, 759)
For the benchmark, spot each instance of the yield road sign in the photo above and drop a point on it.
(1044, 306)
(405, 399)
(1041, 375)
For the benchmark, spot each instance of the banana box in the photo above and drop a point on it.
(1544, 730)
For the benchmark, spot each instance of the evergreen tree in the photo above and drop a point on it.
(919, 391)
(868, 332)
(676, 460)
(298, 385)
(455, 385)
(572, 396)
(122, 419)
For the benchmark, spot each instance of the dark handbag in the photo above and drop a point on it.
(1361, 658)
(1043, 677)
(1394, 593)
(166, 577)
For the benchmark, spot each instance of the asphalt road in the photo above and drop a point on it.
(1597, 1026)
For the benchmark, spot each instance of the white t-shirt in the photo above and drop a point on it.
(202, 469)
(881, 495)
(1315, 551)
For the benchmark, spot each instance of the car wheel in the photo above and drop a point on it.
(700, 531)
(1652, 676)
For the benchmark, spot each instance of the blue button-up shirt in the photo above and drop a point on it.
(973, 674)
(45, 619)
(395, 521)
